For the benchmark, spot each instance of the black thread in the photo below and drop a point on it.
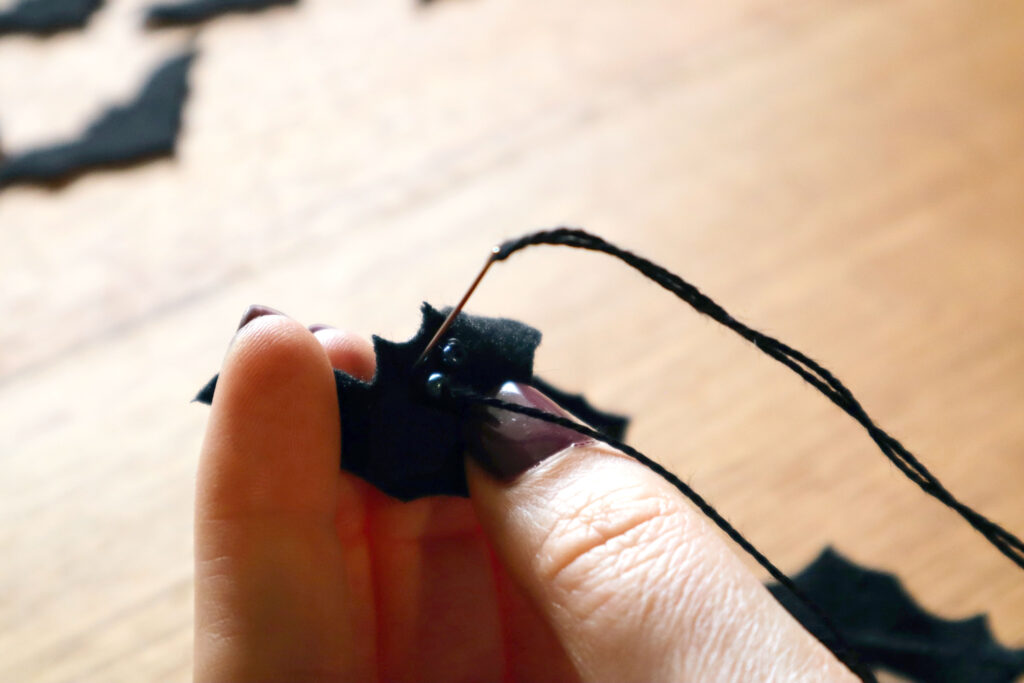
(835, 641)
(813, 373)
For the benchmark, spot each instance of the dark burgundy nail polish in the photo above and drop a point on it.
(256, 311)
(507, 444)
(316, 327)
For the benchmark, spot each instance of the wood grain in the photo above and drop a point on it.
(845, 175)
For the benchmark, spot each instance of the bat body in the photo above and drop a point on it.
(404, 443)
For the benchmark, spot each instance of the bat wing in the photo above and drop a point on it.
(143, 129)
(46, 17)
(890, 631)
(197, 11)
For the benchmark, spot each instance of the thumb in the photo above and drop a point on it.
(633, 580)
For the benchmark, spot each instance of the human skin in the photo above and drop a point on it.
(584, 567)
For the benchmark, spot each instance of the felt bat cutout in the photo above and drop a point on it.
(193, 12)
(889, 631)
(46, 17)
(125, 135)
(395, 436)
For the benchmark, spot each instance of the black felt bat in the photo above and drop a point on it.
(889, 631)
(125, 135)
(197, 11)
(399, 439)
(46, 17)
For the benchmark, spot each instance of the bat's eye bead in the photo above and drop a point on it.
(437, 386)
(452, 355)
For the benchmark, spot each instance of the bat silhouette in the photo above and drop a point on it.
(402, 442)
(124, 135)
(889, 631)
(197, 11)
(46, 17)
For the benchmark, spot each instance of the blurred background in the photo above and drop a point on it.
(845, 175)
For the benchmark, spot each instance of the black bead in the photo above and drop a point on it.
(437, 385)
(452, 355)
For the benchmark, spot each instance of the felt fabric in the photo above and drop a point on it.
(138, 131)
(46, 17)
(399, 438)
(197, 11)
(889, 631)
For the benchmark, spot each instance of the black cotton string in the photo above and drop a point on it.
(831, 639)
(813, 373)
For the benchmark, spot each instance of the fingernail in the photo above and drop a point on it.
(256, 311)
(507, 444)
(316, 327)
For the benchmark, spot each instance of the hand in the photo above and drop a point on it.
(586, 566)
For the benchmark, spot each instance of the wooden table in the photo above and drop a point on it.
(845, 175)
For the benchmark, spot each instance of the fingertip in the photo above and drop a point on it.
(274, 439)
(269, 355)
(349, 352)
